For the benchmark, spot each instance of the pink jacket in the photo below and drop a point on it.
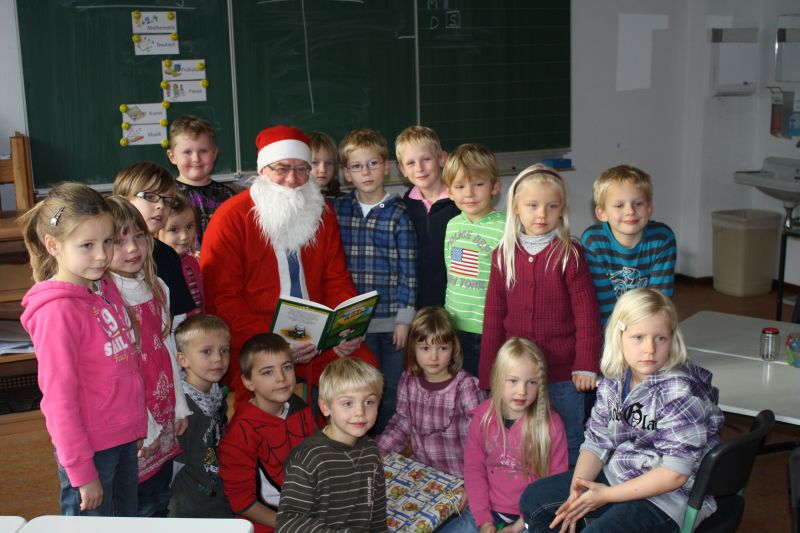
(493, 474)
(88, 371)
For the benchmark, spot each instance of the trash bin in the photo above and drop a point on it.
(745, 250)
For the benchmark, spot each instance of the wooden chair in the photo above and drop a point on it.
(17, 171)
(15, 271)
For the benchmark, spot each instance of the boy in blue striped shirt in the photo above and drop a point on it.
(626, 250)
(381, 250)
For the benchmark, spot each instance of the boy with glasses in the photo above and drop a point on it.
(381, 250)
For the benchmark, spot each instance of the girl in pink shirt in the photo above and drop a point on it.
(133, 271)
(93, 391)
(514, 439)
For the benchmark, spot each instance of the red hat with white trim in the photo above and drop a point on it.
(281, 142)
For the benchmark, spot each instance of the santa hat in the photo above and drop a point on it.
(281, 142)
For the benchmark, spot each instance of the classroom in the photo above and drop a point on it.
(641, 93)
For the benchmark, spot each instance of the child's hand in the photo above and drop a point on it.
(348, 347)
(575, 490)
(303, 352)
(584, 383)
(516, 527)
(488, 527)
(594, 496)
(91, 495)
(400, 335)
(181, 425)
(147, 451)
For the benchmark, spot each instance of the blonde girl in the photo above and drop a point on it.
(151, 189)
(654, 420)
(94, 399)
(540, 289)
(325, 164)
(180, 234)
(434, 396)
(133, 271)
(514, 439)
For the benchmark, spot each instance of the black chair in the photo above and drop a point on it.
(794, 488)
(723, 474)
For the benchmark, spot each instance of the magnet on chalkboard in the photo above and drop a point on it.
(163, 122)
(204, 83)
(126, 126)
(170, 15)
(164, 84)
(164, 143)
(137, 14)
(167, 62)
(173, 36)
(123, 142)
(165, 104)
(136, 38)
(123, 108)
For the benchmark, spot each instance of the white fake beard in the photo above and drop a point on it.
(288, 217)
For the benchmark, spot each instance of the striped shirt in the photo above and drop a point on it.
(616, 269)
(332, 486)
(468, 250)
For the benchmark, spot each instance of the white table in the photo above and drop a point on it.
(92, 524)
(11, 524)
(728, 346)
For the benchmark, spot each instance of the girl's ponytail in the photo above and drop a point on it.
(57, 215)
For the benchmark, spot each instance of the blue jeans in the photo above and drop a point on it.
(466, 523)
(570, 406)
(471, 349)
(541, 499)
(392, 365)
(154, 493)
(117, 469)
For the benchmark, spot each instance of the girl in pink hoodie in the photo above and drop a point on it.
(93, 391)
(514, 439)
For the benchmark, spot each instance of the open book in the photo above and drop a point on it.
(303, 320)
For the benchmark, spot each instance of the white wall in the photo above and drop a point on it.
(641, 75)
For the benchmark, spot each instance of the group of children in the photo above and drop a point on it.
(471, 300)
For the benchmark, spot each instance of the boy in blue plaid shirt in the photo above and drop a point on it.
(381, 248)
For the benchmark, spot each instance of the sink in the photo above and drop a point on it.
(779, 178)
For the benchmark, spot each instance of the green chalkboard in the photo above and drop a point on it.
(495, 72)
(324, 65)
(78, 67)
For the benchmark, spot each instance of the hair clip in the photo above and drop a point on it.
(57, 216)
(620, 325)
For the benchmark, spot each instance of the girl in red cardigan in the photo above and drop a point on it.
(540, 289)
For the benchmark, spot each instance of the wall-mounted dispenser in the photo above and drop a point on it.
(734, 61)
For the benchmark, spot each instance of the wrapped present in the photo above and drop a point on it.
(418, 497)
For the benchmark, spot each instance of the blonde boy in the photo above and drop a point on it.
(381, 250)
(420, 158)
(334, 480)
(193, 149)
(472, 179)
(626, 250)
(263, 431)
(204, 354)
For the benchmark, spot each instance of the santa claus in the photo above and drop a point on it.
(279, 237)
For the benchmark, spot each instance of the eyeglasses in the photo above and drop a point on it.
(154, 197)
(371, 165)
(301, 171)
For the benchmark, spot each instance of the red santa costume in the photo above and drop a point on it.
(244, 254)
